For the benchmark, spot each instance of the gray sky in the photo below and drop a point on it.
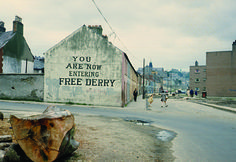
(170, 33)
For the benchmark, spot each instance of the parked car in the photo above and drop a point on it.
(181, 92)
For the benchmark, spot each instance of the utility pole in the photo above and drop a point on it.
(168, 81)
(143, 78)
(171, 82)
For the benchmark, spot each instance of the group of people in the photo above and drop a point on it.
(164, 97)
(191, 93)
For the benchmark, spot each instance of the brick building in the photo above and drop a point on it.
(197, 78)
(221, 73)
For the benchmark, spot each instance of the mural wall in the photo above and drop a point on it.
(83, 68)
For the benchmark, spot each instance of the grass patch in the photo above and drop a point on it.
(22, 99)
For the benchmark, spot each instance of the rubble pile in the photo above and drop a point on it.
(5, 143)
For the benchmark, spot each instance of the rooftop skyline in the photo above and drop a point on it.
(172, 34)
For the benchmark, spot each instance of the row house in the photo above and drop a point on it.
(85, 68)
(15, 54)
(153, 78)
(197, 78)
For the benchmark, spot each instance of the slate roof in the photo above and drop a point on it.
(5, 37)
(38, 63)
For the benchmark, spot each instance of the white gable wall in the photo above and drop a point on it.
(83, 68)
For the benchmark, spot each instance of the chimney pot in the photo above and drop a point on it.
(17, 25)
(17, 18)
(97, 28)
(105, 37)
(234, 43)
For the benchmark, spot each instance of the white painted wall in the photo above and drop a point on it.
(30, 66)
(13, 65)
(68, 77)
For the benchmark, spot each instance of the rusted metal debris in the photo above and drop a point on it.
(47, 136)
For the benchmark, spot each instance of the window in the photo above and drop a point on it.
(204, 79)
(204, 88)
(197, 80)
(197, 89)
(197, 71)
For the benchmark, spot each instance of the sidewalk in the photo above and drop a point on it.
(140, 105)
(224, 108)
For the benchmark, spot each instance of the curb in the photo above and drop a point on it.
(224, 108)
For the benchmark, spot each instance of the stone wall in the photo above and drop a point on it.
(22, 86)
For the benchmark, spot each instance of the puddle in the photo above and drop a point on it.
(139, 121)
(165, 135)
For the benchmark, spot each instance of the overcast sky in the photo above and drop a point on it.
(170, 33)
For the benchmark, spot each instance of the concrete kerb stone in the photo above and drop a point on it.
(56, 104)
(224, 108)
(140, 105)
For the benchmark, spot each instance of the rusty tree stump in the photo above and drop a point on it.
(47, 136)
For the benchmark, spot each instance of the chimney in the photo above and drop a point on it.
(2, 28)
(97, 28)
(234, 48)
(17, 25)
(196, 63)
(105, 37)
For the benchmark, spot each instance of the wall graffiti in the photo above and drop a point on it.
(80, 70)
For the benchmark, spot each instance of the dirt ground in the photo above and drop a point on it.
(113, 139)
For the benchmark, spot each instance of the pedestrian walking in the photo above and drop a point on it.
(188, 92)
(163, 99)
(135, 94)
(196, 93)
(191, 93)
(150, 100)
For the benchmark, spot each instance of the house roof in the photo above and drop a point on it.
(15, 46)
(38, 63)
(98, 31)
(5, 37)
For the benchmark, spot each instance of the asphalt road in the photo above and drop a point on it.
(204, 134)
